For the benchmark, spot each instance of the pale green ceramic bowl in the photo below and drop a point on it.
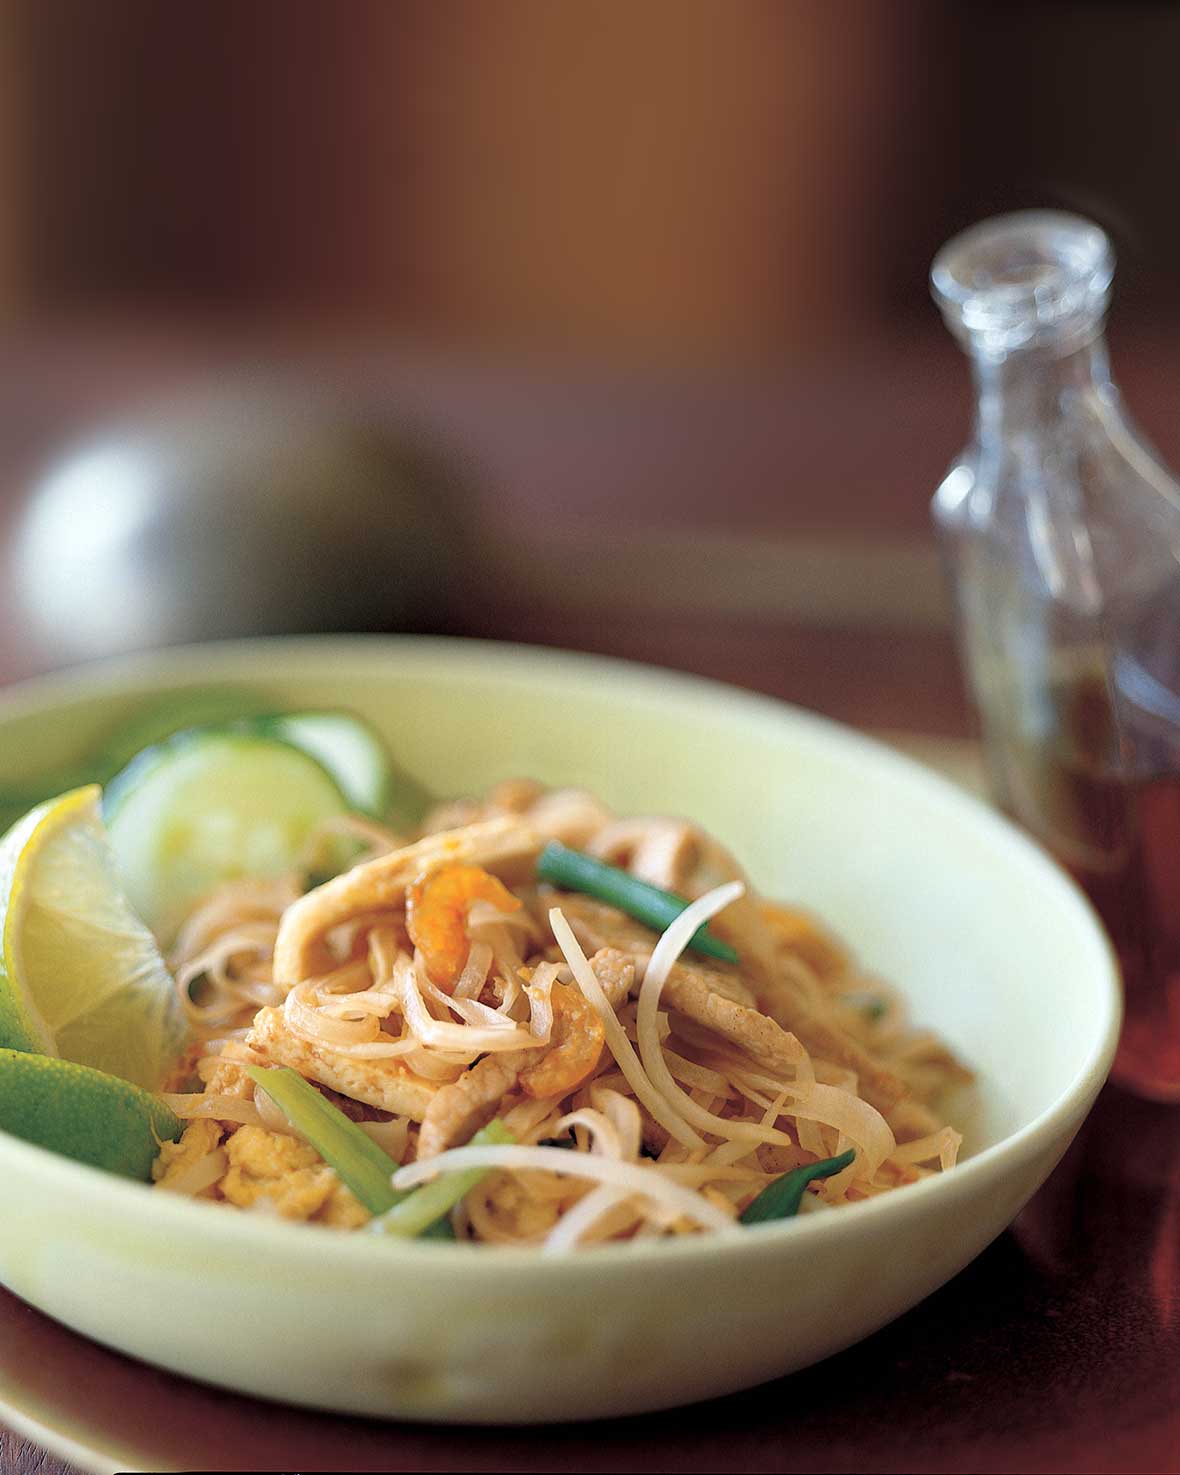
(993, 945)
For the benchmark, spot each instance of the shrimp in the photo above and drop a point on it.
(436, 916)
(577, 1041)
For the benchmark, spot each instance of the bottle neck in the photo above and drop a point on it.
(1033, 389)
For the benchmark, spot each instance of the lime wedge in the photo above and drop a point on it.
(84, 1114)
(82, 976)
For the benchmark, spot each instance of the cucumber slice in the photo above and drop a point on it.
(343, 743)
(149, 723)
(171, 712)
(207, 806)
(347, 747)
(357, 759)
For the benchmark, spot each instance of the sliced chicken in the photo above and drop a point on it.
(780, 1001)
(615, 972)
(599, 927)
(469, 1103)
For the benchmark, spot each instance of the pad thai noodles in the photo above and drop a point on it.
(644, 1078)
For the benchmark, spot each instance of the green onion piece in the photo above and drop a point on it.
(781, 1199)
(357, 1159)
(574, 870)
(423, 1208)
(869, 1006)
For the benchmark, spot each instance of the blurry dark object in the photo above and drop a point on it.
(249, 511)
(1064, 536)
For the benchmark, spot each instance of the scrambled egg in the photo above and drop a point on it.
(198, 1140)
(270, 1169)
(264, 1170)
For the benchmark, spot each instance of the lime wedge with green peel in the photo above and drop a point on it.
(82, 976)
(83, 1114)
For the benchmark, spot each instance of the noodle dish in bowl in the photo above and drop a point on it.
(501, 1069)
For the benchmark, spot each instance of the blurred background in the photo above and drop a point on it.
(603, 326)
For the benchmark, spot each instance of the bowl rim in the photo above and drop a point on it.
(250, 1234)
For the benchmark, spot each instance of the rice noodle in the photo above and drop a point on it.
(623, 1115)
(734, 1150)
(667, 950)
(438, 1065)
(675, 1127)
(378, 839)
(471, 1011)
(602, 1129)
(579, 1220)
(379, 1000)
(229, 996)
(461, 1038)
(943, 1144)
(392, 1137)
(761, 1090)
(484, 914)
(540, 996)
(699, 1076)
(853, 1118)
(617, 1042)
(513, 993)
(359, 1039)
(251, 899)
(646, 1181)
(255, 938)
(198, 1176)
(470, 982)
(506, 956)
(306, 1022)
(531, 1119)
(272, 1116)
(193, 1106)
(698, 1174)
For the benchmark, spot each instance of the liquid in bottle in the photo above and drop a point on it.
(1062, 532)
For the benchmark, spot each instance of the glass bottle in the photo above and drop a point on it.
(1062, 531)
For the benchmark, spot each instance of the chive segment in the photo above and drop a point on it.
(574, 870)
(781, 1199)
(440, 1229)
(422, 1211)
(357, 1159)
